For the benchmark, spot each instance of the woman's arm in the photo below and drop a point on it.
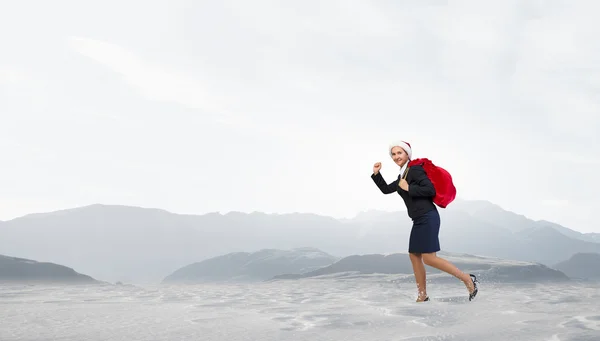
(420, 185)
(383, 186)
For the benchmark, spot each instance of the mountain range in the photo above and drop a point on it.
(273, 264)
(485, 268)
(133, 244)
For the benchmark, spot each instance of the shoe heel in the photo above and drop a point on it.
(476, 289)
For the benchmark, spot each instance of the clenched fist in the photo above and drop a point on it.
(376, 167)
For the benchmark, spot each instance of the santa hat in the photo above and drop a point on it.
(402, 144)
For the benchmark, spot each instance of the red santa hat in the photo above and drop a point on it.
(402, 144)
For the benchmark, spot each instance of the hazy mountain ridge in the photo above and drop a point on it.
(582, 266)
(489, 212)
(116, 243)
(14, 269)
(553, 246)
(588, 237)
(252, 266)
(485, 268)
(492, 214)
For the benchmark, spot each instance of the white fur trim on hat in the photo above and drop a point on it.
(402, 144)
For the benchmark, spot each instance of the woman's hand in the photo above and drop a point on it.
(403, 184)
(376, 167)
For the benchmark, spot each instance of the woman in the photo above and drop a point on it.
(417, 191)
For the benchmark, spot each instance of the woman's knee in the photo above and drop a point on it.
(428, 258)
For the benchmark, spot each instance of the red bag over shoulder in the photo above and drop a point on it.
(445, 192)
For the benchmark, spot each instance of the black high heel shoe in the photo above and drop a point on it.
(425, 300)
(475, 290)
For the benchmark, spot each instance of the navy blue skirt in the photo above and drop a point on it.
(424, 233)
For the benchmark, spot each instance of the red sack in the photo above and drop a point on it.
(445, 192)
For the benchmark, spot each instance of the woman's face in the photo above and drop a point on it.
(399, 156)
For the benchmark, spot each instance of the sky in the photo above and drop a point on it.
(278, 107)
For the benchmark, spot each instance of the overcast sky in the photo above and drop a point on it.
(203, 106)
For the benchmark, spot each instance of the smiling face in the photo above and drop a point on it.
(399, 156)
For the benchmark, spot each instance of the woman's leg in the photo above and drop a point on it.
(433, 260)
(419, 271)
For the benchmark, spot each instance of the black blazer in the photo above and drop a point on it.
(419, 198)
